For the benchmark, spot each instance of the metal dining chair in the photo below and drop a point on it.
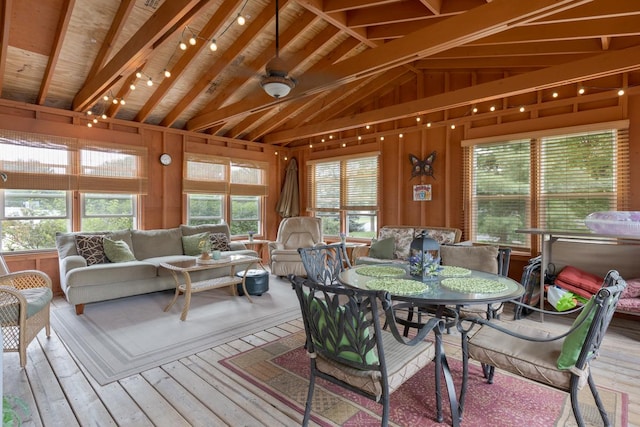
(323, 263)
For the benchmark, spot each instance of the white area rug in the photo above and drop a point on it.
(118, 338)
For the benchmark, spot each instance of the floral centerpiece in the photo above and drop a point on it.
(426, 266)
(205, 248)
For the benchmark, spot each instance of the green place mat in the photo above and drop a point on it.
(381, 271)
(450, 270)
(397, 286)
(470, 285)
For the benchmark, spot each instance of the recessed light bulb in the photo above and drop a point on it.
(241, 20)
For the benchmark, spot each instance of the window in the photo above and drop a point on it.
(45, 173)
(547, 181)
(344, 193)
(225, 190)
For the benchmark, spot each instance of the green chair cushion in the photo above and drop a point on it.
(575, 340)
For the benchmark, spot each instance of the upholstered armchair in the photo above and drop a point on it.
(25, 300)
(293, 233)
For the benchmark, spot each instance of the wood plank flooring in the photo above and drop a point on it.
(198, 391)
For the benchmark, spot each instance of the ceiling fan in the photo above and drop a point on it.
(276, 82)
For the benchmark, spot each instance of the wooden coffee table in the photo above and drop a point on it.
(188, 287)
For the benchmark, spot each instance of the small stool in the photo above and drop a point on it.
(256, 281)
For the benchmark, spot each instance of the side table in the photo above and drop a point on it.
(255, 245)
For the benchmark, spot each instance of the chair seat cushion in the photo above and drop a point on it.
(402, 362)
(534, 360)
(37, 299)
(286, 255)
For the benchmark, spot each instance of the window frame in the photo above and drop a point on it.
(535, 210)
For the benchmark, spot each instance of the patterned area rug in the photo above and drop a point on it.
(281, 368)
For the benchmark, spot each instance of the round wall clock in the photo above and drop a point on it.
(165, 159)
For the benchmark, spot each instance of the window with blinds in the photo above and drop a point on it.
(548, 181)
(344, 193)
(227, 190)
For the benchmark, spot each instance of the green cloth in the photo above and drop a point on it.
(382, 249)
(573, 342)
(192, 245)
(117, 250)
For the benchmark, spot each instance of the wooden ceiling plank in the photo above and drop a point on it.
(405, 11)
(214, 24)
(63, 25)
(435, 6)
(595, 9)
(338, 19)
(604, 64)
(491, 18)
(120, 18)
(250, 34)
(332, 6)
(291, 34)
(5, 19)
(135, 50)
(617, 26)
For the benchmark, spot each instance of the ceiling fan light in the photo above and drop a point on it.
(277, 86)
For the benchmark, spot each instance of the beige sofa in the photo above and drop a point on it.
(88, 276)
(402, 236)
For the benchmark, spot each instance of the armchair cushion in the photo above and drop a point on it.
(573, 342)
(382, 248)
(37, 299)
(117, 250)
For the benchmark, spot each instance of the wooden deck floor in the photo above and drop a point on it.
(198, 391)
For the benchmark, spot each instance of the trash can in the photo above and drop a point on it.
(256, 281)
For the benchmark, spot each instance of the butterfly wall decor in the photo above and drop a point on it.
(422, 167)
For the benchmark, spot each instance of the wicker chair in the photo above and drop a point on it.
(348, 347)
(534, 354)
(25, 300)
(323, 263)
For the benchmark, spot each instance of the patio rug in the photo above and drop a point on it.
(281, 368)
(118, 338)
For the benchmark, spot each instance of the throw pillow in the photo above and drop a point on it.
(117, 250)
(219, 242)
(91, 248)
(382, 249)
(573, 342)
(193, 245)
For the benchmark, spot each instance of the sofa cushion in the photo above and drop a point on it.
(481, 258)
(382, 249)
(66, 242)
(219, 242)
(91, 248)
(195, 244)
(117, 250)
(155, 243)
(110, 273)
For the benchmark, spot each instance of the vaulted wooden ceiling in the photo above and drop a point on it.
(69, 54)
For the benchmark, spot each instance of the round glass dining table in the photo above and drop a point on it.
(452, 286)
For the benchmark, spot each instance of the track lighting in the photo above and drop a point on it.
(213, 46)
(167, 73)
(241, 20)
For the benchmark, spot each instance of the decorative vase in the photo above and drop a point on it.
(205, 256)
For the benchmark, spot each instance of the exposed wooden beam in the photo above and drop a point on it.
(214, 24)
(405, 11)
(135, 50)
(5, 20)
(332, 6)
(458, 30)
(119, 20)
(228, 56)
(291, 34)
(601, 65)
(63, 24)
(433, 5)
